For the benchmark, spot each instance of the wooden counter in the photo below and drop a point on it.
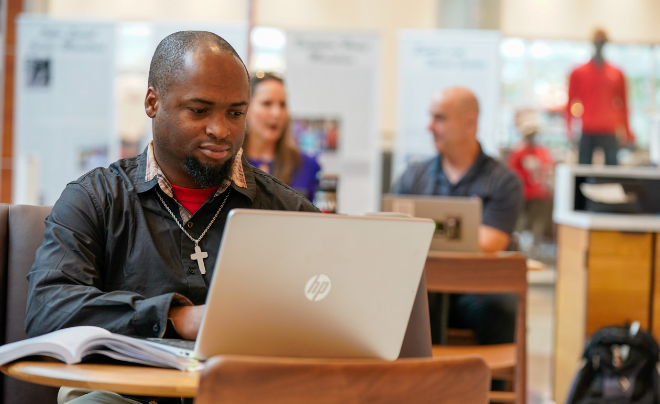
(604, 278)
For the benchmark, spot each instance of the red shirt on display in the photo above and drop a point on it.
(533, 165)
(192, 199)
(597, 94)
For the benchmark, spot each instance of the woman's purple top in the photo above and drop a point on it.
(304, 179)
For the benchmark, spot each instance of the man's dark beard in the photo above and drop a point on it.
(207, 176)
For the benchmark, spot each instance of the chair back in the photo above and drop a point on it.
(252, 380)
(477, 273)
(24, 231)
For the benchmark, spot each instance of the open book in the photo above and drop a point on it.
(71, 345)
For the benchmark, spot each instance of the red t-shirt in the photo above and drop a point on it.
(192, 199)
(601, 90)
(533, 165)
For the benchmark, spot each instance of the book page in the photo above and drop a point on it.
(71, 345)
(63, 344)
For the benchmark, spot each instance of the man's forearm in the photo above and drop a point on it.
(55, 302)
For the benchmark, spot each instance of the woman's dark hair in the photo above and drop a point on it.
(287, 156)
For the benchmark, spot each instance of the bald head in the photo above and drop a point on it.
(454, 115)
(170, 56)
(460, 98)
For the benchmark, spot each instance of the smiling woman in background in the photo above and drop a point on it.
(269, 145)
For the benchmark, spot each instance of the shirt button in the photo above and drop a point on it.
(190, 225)
(156, 327)
(191, 270)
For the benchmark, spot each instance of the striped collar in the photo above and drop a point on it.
(153, 171)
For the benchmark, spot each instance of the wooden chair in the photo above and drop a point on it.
(21, 233)
(252, 380)
(486, 273)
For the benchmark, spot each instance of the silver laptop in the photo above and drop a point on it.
(313, 285)
(457, 219)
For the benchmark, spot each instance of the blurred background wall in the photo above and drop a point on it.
(541, 41)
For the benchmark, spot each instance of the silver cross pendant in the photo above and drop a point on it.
(199, 256)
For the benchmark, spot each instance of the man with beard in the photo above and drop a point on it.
(122, 243)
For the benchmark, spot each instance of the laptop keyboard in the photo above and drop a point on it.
(176, 343)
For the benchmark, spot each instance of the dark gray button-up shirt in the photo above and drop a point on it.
(113, 257)
(498, 187)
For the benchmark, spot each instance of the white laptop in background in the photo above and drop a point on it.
(313, 285)
(457, 219)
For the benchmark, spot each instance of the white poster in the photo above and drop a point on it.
(433, 60)
(64, 114)
(333, 85)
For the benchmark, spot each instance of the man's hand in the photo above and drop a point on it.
(186, 320)
(492, 239)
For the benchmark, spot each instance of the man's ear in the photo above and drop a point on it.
(152, 102)
(473, 119)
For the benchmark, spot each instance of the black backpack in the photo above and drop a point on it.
(619, 366)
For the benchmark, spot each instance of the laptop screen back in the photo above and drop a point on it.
(457, 219)
(313, 285)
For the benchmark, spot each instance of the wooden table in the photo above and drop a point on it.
(122, 379)
(486, 273)
(445, 272)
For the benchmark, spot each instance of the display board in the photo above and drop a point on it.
(430, 60)
(333, 91)
(68, 81)
(64, 105)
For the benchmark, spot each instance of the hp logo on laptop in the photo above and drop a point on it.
(318, 287)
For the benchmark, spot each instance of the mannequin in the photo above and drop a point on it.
(597, 96)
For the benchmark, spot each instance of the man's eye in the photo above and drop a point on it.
(198, 111)
(237, 113)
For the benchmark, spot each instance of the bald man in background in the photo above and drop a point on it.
(461, 168)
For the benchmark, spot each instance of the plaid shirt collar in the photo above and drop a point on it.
(154, 171)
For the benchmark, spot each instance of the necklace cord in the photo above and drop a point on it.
(207, 227)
